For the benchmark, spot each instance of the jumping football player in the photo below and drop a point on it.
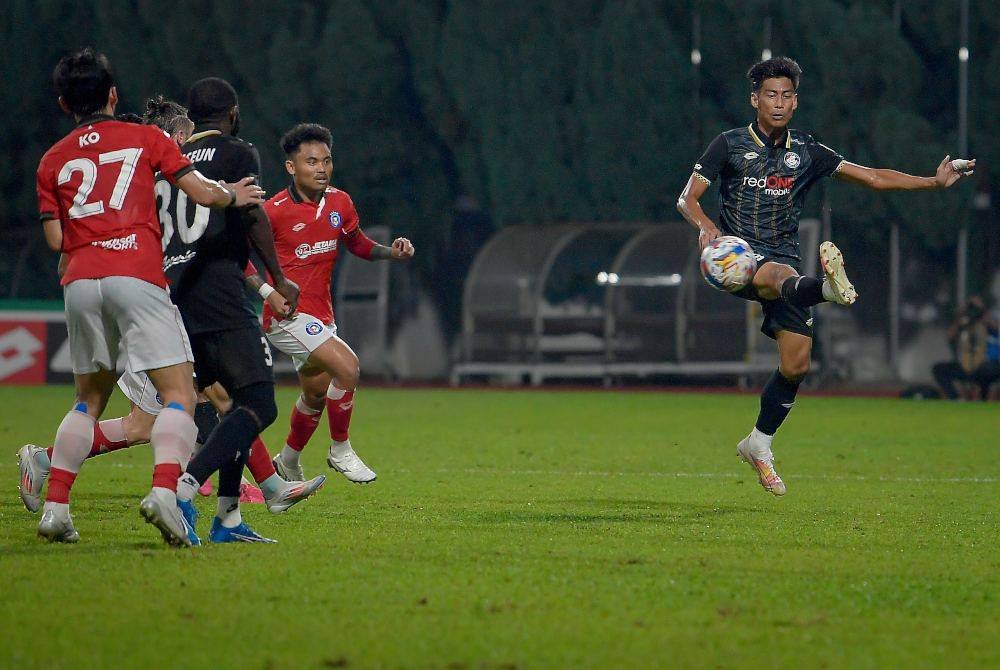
(311, 220)
(97, 205)
(765, 170)
(206, 253)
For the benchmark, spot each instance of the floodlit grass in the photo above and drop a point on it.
(540, 530)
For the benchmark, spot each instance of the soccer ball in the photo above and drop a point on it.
(728, 263)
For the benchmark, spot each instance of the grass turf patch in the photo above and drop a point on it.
(539, 530)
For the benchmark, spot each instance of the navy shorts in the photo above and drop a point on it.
(778, 314)
(235, 358)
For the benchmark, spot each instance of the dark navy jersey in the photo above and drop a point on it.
(762, 186)
(205, 250)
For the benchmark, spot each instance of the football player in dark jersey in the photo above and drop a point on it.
(764, 171)
(204, 259)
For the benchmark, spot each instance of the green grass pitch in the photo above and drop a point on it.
(539, 530)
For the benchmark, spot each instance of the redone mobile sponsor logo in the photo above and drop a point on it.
(772, 185)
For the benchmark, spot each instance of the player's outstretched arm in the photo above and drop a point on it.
(262, 240)
(690, 208)
(216, 194)
(879, 179)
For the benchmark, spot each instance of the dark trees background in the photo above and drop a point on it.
(541, 111)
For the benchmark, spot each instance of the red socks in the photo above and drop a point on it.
(259, 463)
(109, 436)
(60, 482)
(303, 424)
(165, 476)
(339, 411)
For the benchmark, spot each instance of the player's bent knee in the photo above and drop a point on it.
(794, 370)
(259, 400)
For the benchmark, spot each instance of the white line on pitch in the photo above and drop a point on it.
(707, 475)
(675, 475)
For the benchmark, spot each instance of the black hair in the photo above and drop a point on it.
(771, 68)
(305, 132)
(210, 99)
(83, 79)
(167, 115)
(129, 117)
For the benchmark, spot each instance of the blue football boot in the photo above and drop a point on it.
(190, 514)
(241, 533)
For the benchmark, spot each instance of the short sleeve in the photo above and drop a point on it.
(165, 157)
(713, 160)
(48, 202)
(826, 161)
(351, 219)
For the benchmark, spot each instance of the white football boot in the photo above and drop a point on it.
(758, 455)
(832, 260)
(343, 459)
(294, 492)
(167, 518)
(290, 473)
(56, 525)
(33, 463)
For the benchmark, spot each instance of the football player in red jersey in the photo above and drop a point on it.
(134, 429)
(311, 220)
(96, 204)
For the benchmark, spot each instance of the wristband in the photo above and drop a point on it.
(265, 290)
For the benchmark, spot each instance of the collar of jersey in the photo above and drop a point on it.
(94, 118)
(298, 200)
(202, 135)
(754, 130)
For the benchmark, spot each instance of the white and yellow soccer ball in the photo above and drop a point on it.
(728, 263)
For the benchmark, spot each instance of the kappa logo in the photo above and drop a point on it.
(792, 159)
(751, 155)
(314, 328)
(298, 227)
(17, 351)
(335, 220)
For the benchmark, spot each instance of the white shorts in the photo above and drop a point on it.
(300, 336)
(139, 389)
(101, 313)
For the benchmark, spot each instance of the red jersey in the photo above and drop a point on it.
(307, 237)
(98, 182)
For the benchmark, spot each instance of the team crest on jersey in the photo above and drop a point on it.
(792, 159)
(314, 328)
(335, 220)
(298, 226)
